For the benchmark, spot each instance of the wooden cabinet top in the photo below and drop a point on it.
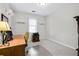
(18, 40)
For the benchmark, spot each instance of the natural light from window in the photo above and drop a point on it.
(32, 25)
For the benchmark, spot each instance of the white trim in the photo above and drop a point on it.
(62, 44)
(49, 43)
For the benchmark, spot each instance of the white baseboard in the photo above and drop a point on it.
(63, 44)
(55, 48)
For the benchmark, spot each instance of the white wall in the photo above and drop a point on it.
(19, 28)
(62, 29)
(3, 6)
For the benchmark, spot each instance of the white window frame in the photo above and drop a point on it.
(32, 25)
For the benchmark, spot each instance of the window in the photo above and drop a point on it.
(32, 25)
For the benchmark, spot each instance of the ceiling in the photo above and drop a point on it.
(40, 10)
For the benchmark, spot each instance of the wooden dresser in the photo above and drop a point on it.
(16, 47)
